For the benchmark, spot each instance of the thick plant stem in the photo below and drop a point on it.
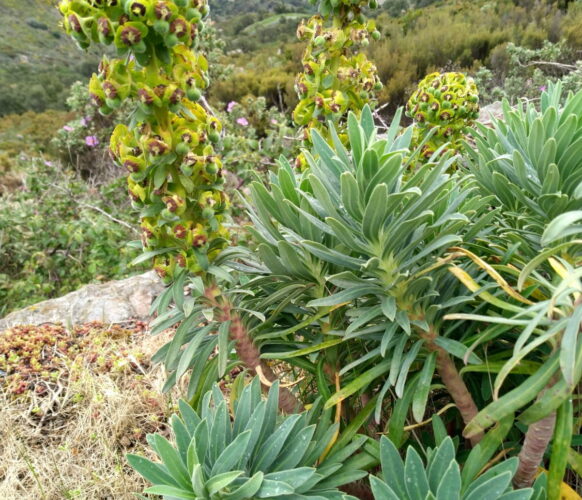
(250, 356)
(537, 438)
(248, 352)
(457, 388)
(453, 381)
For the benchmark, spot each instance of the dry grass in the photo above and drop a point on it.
(77, 448)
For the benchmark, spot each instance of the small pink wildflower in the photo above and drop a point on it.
(68, 128)
(231, 106)
(243, 122)
(91, 141)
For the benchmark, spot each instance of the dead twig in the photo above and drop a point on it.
(103, 212)
(562, 66)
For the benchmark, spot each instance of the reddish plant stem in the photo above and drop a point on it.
(537, 438)
(251, 357)
(248, 352)
(456, 387)
(452, 380)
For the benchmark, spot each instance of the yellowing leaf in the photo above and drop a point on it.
(494, 274)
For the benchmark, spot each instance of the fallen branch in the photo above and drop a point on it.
(103, 212)
(562, 66)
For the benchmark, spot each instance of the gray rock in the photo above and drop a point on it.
(112, 302)
(491, 110)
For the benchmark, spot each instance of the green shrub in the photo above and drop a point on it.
(530, 162)
(276, 84)
(83, 142)
(356, 292)
(253, 454)
(442, 478)
(528, 275)
(255, 136)
(338, 278)
(374, 285)
(526, 72)
(53, 238)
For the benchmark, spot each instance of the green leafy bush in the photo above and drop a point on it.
(58, 233)
(526, 71)
(83, 142)
(356, 290)
(254, 454)
(442, 478)
(530, 162)
(255, 136)
(340, 281)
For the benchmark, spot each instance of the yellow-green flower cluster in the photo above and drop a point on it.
(174, 173)
(337, 78)
(444, 104)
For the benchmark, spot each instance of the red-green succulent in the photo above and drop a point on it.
(33, 359)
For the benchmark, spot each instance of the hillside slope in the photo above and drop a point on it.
(38, 62)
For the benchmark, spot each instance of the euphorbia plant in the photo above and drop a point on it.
(530, 163)
(253, 454)
(444, 105)
(337, 77)
(369, 244)
(443, 479)
(175, 176)
(349, 281)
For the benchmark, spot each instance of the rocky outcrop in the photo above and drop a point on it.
(494, 110)
(112, 302)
